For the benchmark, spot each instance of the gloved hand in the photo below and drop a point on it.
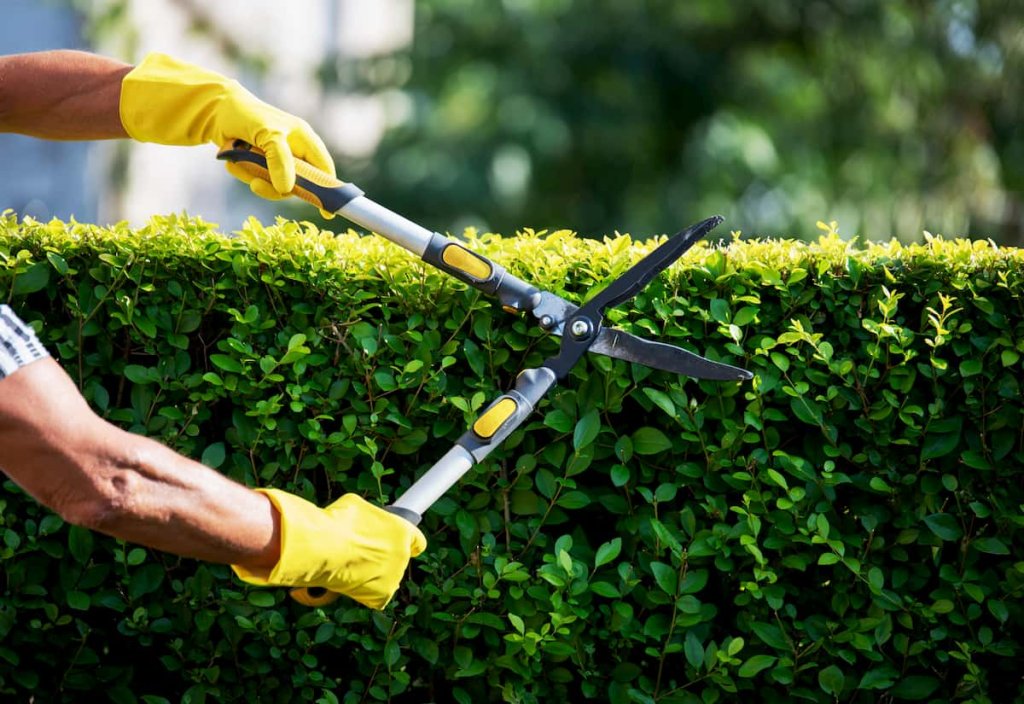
(351, 547)
(167, 101)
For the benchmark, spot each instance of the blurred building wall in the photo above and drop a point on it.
(37, 178)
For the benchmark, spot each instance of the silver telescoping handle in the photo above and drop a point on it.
(498, 420)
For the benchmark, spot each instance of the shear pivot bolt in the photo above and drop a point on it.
(546, 321)
(579, 328)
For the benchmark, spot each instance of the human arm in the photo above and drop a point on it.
(77, 95)
(61, 95)
(98, 476)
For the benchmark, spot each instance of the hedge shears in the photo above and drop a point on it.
(580, 328)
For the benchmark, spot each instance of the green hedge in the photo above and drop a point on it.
(843, 528)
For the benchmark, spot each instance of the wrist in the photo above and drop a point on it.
(268, 551)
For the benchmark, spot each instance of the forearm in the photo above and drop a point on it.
(96, 475)
(166, 501)
(61, 95)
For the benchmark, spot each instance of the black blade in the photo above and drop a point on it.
(641, 273)
(657, 355)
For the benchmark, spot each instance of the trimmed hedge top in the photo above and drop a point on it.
(842, 528)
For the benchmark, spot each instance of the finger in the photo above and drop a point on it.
(307, 145)
(327, 215)
(419, 543)
(255, 177)
(244, 171)
(264, 189)
(280, 164)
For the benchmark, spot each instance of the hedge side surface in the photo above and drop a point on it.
(846, 527)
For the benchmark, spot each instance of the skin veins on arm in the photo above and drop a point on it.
(98, 476)
(61, 95)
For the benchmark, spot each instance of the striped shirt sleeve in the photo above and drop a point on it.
(18, 343)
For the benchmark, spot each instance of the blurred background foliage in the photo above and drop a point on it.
(891, 117)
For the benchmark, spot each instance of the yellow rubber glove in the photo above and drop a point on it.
(351, 547)
(167, 101)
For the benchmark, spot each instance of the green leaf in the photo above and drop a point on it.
(608, 552)
(735, 646)
(878, 678)
(777, 478)
(992, 546)
(524, 502)
(565, 562)
(605, 589)
(586, 430)
(50, 524)
(59, 264)
(650, 441)
(719, 310)
(694, 582)
(261, 599)
(138, 374)
(80, 543)
(228, 364)
(878, 484)
(619, 475)
(971, 367)
(770, 635)
(831, 680)
(213, 455)
(662, 401)
(145, 580)
(693, 650)
(666, 577)
(876, 578)
(755, 664)
(146, 326)
(78, 600)
(32, 279)
(806, 410)
(573, 500)
(943, 525)
(624, 449)
(998, 609)
(665, 536)
(544, 480)
(780, 360)
(475, 357)
(915, 687)
(940, 444)
(559, 421)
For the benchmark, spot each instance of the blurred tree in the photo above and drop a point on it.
(891, 116)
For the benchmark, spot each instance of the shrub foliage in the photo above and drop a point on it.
(843, 528)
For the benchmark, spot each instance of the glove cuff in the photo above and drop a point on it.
(167, 101)
(305, 531)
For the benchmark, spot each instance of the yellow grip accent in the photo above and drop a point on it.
(315, 175)
(493, 418)
(318, 597)
(465, 261)
(303, 169)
